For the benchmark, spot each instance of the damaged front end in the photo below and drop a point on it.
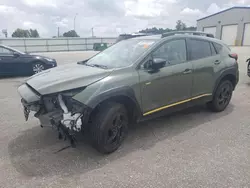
(59, 110)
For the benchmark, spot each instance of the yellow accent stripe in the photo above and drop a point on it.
(175, 104)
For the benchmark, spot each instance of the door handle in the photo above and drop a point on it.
(187, 71)
(217, 62)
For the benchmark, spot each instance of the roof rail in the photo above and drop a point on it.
(199, 33)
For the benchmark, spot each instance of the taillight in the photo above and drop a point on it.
(234, 56)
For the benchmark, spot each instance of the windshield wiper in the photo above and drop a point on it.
(96, 65)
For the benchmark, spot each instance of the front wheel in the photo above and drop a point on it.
(109, 127)
(222, 96)
(37, 67)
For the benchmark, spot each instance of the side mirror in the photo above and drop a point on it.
(16, 54)
(158, 63)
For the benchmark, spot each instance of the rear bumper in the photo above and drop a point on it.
(237, 77)
(248, 69)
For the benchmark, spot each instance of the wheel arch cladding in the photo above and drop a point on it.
(227, 75)
(231, 78)
(122, 95)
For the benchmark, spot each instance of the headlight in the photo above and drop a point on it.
(72, 92)
(48, 59)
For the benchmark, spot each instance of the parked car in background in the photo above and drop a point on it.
(129, 36)
(131, 81)
(100, 46)
(16, 63)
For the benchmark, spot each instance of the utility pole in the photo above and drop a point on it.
(75, 22)
(58, 32)
(92, 30)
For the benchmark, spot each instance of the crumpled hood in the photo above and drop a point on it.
(66, 77)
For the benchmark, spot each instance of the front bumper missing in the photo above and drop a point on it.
(26, 112)
(55, 118)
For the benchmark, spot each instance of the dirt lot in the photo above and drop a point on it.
(193, 148)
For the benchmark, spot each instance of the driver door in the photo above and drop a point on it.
(9, 63)
(6, 59)
(170, 85)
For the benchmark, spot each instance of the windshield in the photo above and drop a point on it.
(14, 50)
(121, 54)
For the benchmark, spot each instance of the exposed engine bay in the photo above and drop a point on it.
(63, 113)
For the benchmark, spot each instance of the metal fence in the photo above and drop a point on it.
(54, 44)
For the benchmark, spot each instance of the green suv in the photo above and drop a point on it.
(133, 80)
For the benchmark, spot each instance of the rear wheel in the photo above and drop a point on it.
(37, 67)
(109, 127)
(222, 96)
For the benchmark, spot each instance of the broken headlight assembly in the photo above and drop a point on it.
(61, 108)
(72, 118)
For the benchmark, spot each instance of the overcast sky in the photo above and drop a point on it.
(108, 17)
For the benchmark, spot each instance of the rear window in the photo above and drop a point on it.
(199, 49)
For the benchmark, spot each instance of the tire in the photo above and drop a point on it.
(37, 67)
(222, 96)
(109, 127)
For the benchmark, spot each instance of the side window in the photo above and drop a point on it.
(4, 51)
(218, 47)
(199, 49)
(173, 52)
(213, 49)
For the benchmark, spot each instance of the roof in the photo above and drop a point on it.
(150, 37)
(187, 32)
(159, 37)
(223, 11)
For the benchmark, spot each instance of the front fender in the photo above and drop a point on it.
(92, 95)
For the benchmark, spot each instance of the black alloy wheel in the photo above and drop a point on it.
(109, 127)
(222, 96)
(116, 132)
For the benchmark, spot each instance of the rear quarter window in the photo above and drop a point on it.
(218, 48)
(221, 48)
(213, 50)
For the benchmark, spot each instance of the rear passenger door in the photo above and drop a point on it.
(205, 61)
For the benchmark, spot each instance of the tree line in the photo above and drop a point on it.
(180, 26)
(33, 33)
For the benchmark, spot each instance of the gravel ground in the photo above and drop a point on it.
(193, 148)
